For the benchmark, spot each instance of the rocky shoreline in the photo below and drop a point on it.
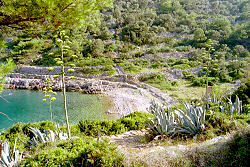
(127, 94)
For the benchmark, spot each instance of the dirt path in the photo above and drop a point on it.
(137, 147)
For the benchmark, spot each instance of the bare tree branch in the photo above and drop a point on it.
(10, 22)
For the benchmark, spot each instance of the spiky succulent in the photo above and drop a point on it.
(7, 159)
(163, 122)
(232, 108)
(47, 136)
(190, 120)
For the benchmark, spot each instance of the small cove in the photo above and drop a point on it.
(27, 106)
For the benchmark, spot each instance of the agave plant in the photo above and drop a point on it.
(47, 136)
(163, 122)
(232, 108)
(190, 120)
(7, 160)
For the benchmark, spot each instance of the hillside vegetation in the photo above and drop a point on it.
(143, 35)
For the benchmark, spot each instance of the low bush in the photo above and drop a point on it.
(90, 70)
(89, 61)
(186, 74)
(20, 131)
(239, 150)
(157, 80)
(181, 66)
(109, 69)
(194, 63)
(232, 152)
(134, 121)
(77, 152)
(201, 81)
(183, 48)
(175, 83)
(130, 67)
(243, 92)
(220, 123)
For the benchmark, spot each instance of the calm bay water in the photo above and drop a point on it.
(27, 106)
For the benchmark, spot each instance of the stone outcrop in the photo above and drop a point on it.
(89, 86)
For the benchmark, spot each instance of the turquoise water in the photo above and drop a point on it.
(27, 106)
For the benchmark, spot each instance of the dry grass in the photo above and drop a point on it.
(185, 92)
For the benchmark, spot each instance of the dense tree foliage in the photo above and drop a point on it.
(5, 69)
(50, 13)
(137, 31)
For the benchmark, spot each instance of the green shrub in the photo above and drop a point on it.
(89, 61)
(40, 125)
(183, 48)
(20, 130)
(157, 80)
(16, 128)
(90, 70)
(141, 62)
(221, 123)
(152, 77)
(181, 66)
(77, 152)
(243, 92)
(109, 69)
(175, 83)
(194, 63)
(186, 74)
(134, 121)
(129, 67)
(201, 81)
(165, 49)
(239, 150)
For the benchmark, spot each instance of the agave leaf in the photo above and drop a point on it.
(30, 143)
(179, 129)
(52, 135)
(37, 134)
(2, 163)
(63, 136)
(33, 131)
(16, 156)
(5, 159)
(7, 150)
(238, 105)
(34, 141)
(187, 120)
